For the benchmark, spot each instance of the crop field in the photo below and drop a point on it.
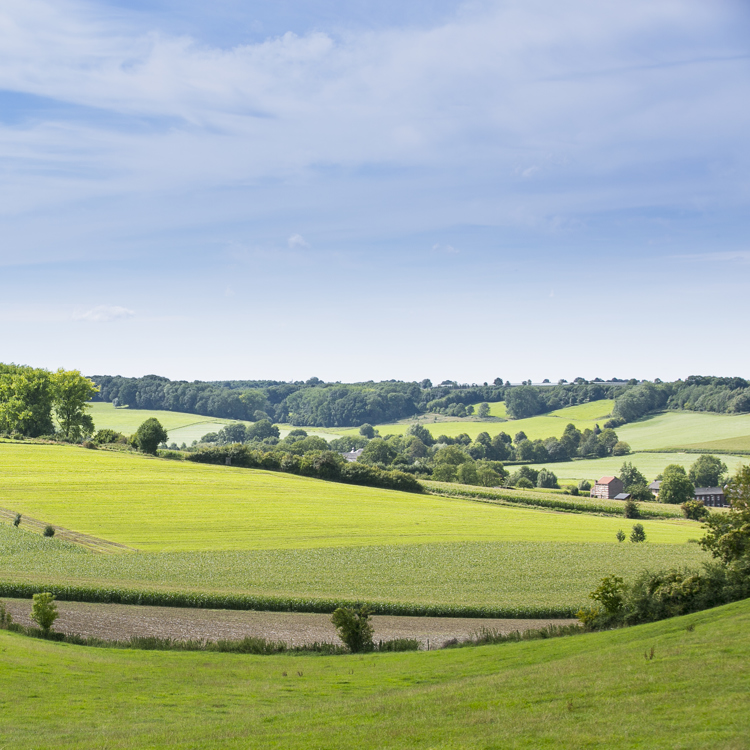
(650, 464)
(160, 505)
(464, 574)
(688, 429)
(546, 425)
(564, 692)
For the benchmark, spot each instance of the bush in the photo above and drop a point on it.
(637, 534)
(584, 485)
(150, 435)
(620, 535)
(524, 484)
(90, 444)
(399, 644)
(695, 510)
(44, 611)
(49, 530)
(630, 509)
(17, 520)
(354, 628)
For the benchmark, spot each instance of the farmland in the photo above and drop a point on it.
(650, 464)
(216, 528)
(525, 695)
(160, 505)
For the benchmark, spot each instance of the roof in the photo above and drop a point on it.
(655, 485)
(709, 491)
(622, 496)
(607, 480)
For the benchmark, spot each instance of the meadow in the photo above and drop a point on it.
(499, 576)
(156, 504)
(627, 688)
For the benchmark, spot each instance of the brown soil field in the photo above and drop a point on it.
(121, 621)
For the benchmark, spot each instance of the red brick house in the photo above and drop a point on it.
(607, 488)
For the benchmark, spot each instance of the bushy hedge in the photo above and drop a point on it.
(268, 603)
(319, 464)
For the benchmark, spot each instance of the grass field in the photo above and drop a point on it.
(476, 574)
(650, 464)
(547, 425)
(157, 504)
(687, 429)
(594, 690)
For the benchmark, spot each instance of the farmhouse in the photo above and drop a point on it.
(352, 456)
(711, 496)
(607, 488)
(654, 487)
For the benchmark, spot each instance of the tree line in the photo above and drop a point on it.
(32, 400)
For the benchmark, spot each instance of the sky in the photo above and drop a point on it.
(372, 189)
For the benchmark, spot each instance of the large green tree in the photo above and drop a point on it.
(675, 487)
(149, 435)
(71, 394)
(25, 401)
(630, 476)
(728, 535)
(707, 471)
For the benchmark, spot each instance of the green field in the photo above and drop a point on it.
(688, 429)
(547, 425)
(157, 504)
(472, 574)
(650, 464)
(209, 528)
(594, 690)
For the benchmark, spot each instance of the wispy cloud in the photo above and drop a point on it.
(447, 249)
(105, 314)
(297, 242)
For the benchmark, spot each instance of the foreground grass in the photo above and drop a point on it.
(502, 575)
(160, 505)
(583, 691)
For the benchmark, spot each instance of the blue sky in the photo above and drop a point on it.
(380, 190)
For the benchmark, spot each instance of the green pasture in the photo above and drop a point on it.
(589, 690)
(688, 429)
(158, 504)
(181, 427)
(650, 464)
(503, 575)
(546, 425)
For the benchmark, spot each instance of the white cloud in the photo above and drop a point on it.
(448, 249)
(105, 314)
(297, 242)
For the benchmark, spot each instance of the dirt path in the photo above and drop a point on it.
(120, 621)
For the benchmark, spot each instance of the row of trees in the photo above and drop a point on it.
(31, 400)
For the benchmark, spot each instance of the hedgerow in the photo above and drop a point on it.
(114, 595)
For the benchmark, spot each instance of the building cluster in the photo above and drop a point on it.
(611, 488)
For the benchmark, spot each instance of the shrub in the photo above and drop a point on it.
(525, 484)
(399, 644)
(547, 479)
(573, 490)
(354, 627)
(44, 611)
(695, 510)
(630, 509)
(584, 485)
(637, 534)
(620, 535)
(17, 520)
(90, 444)
(5, 618)
(49, 530)
(150, 435)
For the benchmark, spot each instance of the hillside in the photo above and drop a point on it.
(210, 528)
(567, 692)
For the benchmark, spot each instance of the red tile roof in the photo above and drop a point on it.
(606, 480)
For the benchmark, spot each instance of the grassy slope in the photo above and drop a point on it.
(479, 574)
(593, 690)
(156, 504)
(684, 429)
(650, 464)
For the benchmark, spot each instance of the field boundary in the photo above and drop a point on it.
(93, 543)
(97, 594)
